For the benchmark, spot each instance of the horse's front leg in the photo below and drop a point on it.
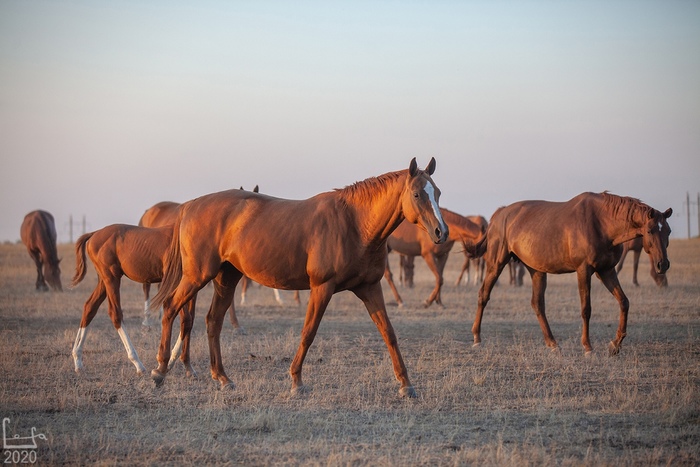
(494, 268)
(434, 265)
(40, 281)
(609, 278)
(318, 301)
(373, 298)
(584, 291)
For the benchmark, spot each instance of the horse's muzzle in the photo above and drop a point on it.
(441, 234)
(662, 266)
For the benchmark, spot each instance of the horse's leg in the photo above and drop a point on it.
(112, 285)
(318, 301)
(481, 268)
(297, 299)
(278, 297)
(408, 267)
(402, 266)
(584, 290)
(465, 268)
(89, 311)
(40, 281)
(237, 328)
(390, 280)
(224, 289)
(182, 346)
(539, 286)
(436, 265)
(494, 267)
(184, 292)
(635, 267)
(146, 305)
(609, 278)
(373, 298)
(244, 288)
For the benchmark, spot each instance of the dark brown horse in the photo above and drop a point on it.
(409, 240)
(38, 233)
(331, 242)
(582, 235)
(124, 250)
(636, 247)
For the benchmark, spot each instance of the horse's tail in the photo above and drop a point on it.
(172, 267)
(80, 269)
(477, 249)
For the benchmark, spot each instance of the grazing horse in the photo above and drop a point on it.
(331, 242)
(582, 235)
(38, 233)
(137, 253)
(469, 260)
(636, 247)
(409, 240)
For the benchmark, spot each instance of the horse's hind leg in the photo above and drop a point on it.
(539, 286)
(635, 267)
(237, 328)
(436, 264)
(147, 321)
(584, 290)
(493, 270)
(89, 310)
(390, 280)
(182, 345)
(116, 314)
(609, 278)
(224, 289)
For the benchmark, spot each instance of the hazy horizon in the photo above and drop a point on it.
(108, 108)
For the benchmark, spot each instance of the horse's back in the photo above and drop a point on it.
(160, 214)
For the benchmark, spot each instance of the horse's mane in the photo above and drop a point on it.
(365, 190)
(625, 207)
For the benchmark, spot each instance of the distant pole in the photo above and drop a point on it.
(70, 228)
(698, 206)
(83, 224)
(687, 209)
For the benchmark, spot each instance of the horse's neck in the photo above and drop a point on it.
(379, 214)
(623, 228)
(460, 228)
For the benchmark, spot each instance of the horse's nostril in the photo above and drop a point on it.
(438, 233)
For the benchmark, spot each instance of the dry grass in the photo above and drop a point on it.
(511, 402)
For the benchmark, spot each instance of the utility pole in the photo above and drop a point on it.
(70, 228)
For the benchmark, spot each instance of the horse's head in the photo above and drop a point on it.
(420, 201)
(655, 233)
(52, 274)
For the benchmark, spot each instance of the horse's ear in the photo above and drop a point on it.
(256, 189)
(431, 166)
(241, 188)
(668, 213)
(413, 167)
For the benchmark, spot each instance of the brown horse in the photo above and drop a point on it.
(38, 233)
(410, 241)
(137, 253)
(331, 242)
(636, 247)
(582, 235)
(469, 260)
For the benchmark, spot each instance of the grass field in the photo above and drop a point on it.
(509, 402)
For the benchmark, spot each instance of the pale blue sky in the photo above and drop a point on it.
(109, 107)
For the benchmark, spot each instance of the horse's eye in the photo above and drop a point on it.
(416, 195)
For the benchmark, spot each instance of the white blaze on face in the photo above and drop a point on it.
(430, 190)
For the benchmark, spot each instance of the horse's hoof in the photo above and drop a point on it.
(189, 371)
(408, 391)
(476, 345)
(613, 349)
(157, 377)
(227, 386)
(240, 331)
(300, 390)
(588, 354)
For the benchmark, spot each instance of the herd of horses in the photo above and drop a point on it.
(340, 240)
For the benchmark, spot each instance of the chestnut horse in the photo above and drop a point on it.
(582, 235)
(124, 250)
(331, 242)
(636, 247)
(38, 233)
(410, 241)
